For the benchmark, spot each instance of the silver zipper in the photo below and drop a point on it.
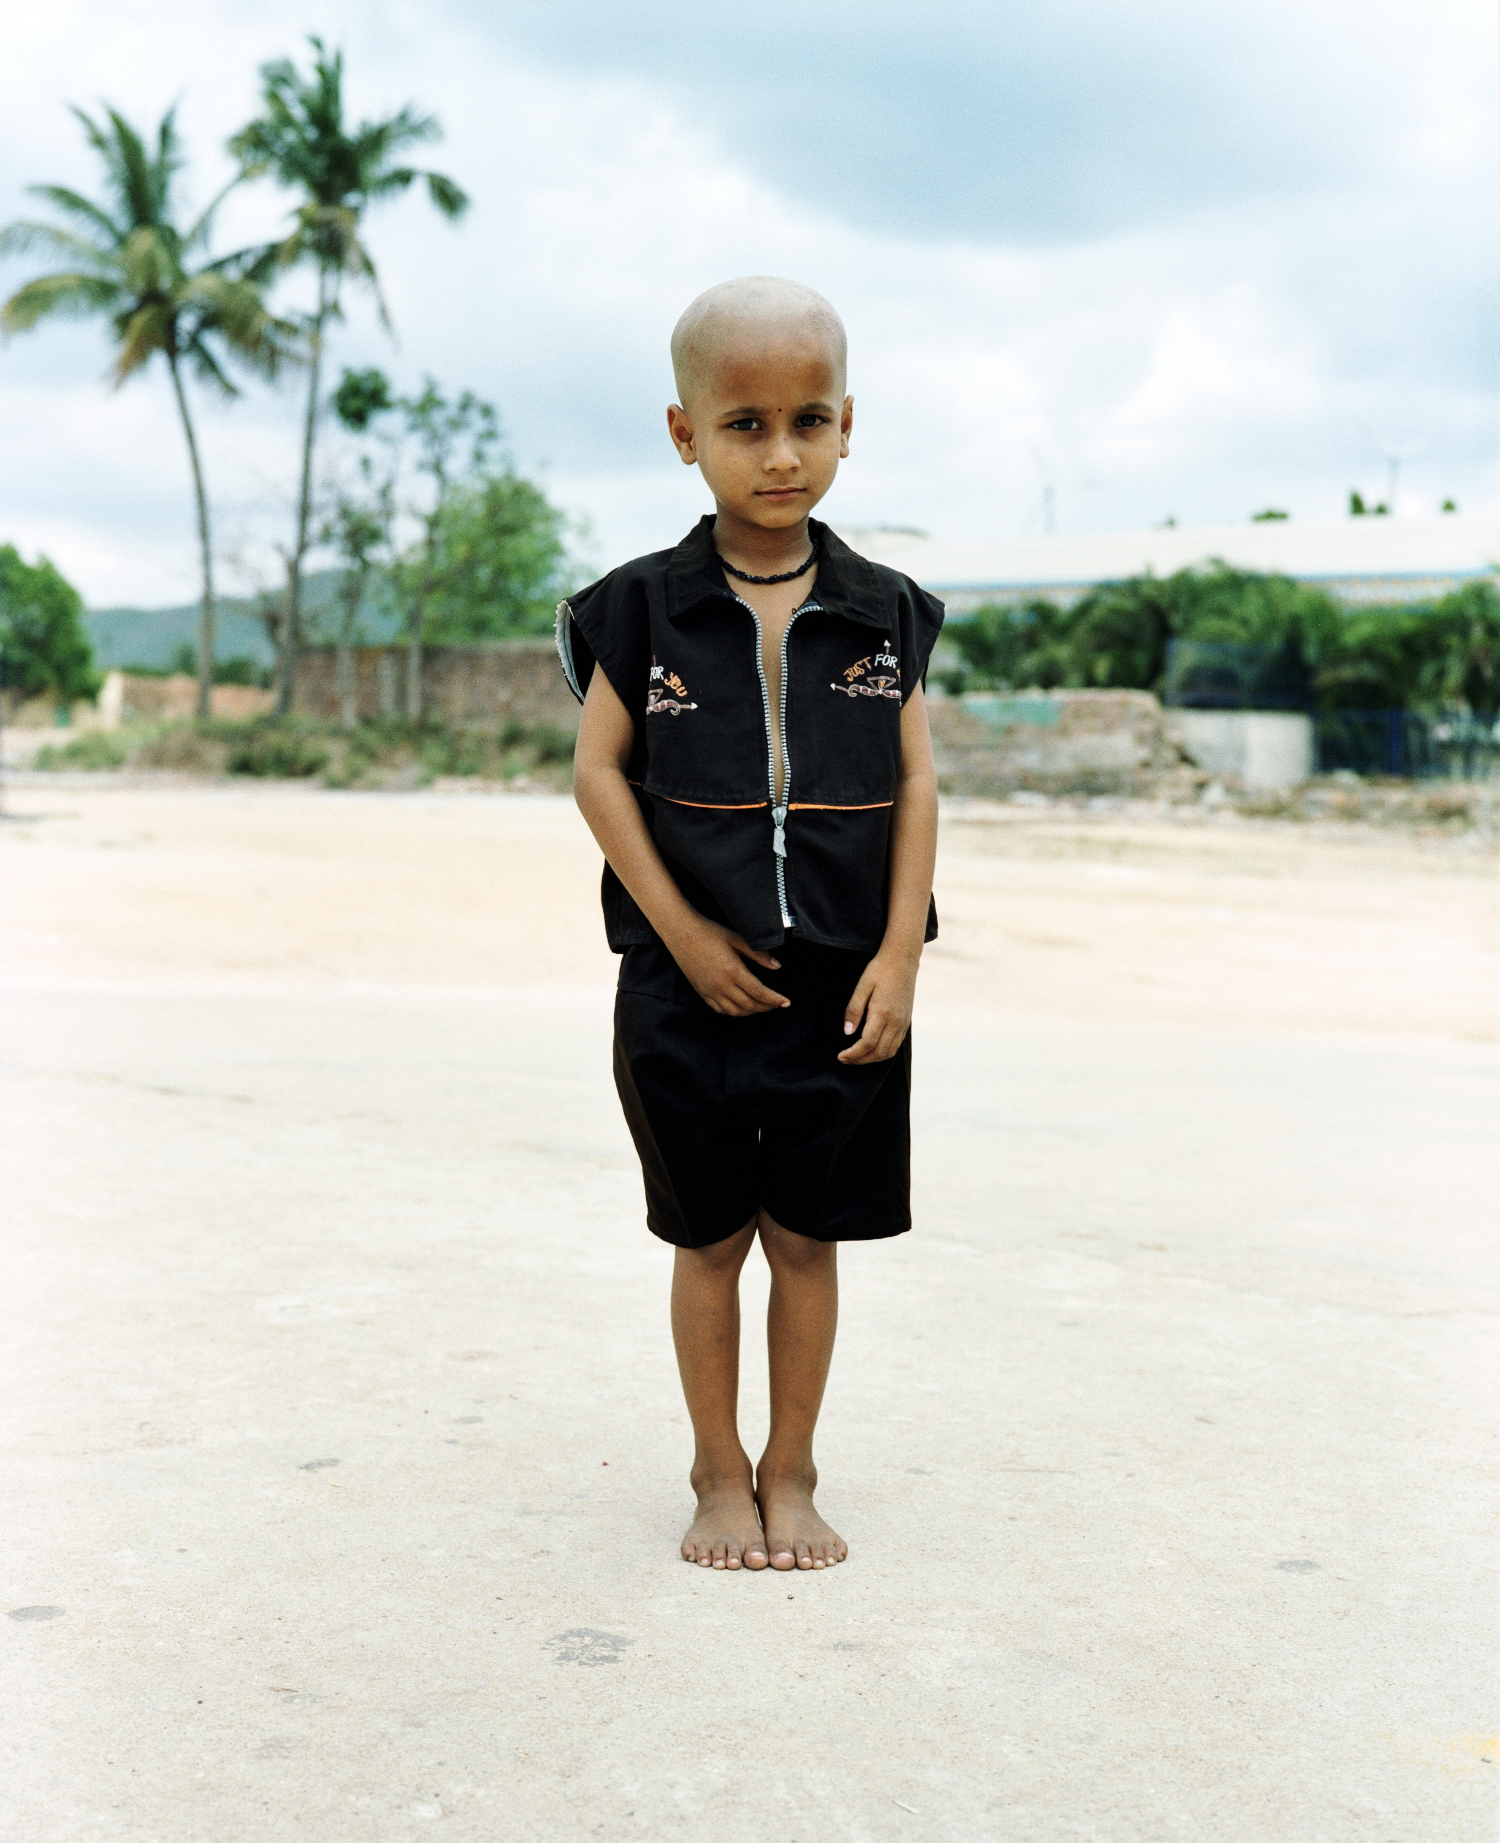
(778, 813)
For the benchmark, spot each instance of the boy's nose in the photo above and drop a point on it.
(782, 457)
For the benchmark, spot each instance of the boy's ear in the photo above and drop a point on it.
(846, 423)
(680, 428)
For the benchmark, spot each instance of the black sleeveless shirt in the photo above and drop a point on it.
(683, 654)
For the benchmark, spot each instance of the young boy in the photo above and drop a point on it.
(754, 761)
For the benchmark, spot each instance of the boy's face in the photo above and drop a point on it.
(768, 423)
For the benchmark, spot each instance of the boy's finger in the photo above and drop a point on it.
(753, 953)
(881, 1038)
(762, 996)
(858, 999)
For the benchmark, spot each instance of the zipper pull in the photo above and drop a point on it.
(778, 837)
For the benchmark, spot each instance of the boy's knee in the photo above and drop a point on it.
(721, 1256)
(785, 1248)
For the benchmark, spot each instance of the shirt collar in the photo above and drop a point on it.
(847, 583)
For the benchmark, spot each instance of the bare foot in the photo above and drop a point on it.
(726, 1532)
(796, 1536)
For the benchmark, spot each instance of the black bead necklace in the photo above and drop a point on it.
(785, 576)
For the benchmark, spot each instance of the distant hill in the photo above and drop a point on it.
(152, 636)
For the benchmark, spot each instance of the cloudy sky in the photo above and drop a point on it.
(1172, 259)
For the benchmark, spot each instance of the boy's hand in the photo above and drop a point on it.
(883, 998)
(709, 955)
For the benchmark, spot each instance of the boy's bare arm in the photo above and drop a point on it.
(887, 987)
(708, 953)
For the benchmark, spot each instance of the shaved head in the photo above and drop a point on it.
(754, 312)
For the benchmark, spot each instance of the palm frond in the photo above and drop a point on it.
(74, 205)
(393, 179)
(143, 182)
(207, 367)
(152, 263)
(142, 334)
(26, 234)
(450, 198)
(259, 264)
(196, 236)
(92, 133)
(70, 295)
(376, 142)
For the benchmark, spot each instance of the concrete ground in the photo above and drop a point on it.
(347, 1465)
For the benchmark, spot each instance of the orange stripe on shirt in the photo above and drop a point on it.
(754, 806)
(711, 806)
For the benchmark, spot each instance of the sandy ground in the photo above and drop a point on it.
(347, 1463)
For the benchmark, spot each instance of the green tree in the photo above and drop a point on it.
(303, 141)
(1116, 636)
(454, 440)
(1468, 627)
(44, 645)
(128, 259)
(1118, 633)
(1427, 658)
(503, 561)
(363, 512)
(1014, 647)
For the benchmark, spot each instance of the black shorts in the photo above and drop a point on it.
(731, 1115)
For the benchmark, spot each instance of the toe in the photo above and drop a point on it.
(733, 1553)
(756, 1557)
(804, 1559)
(783, 1558)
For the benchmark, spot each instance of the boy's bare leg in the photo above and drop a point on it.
(726, 1532)
(800, 1327)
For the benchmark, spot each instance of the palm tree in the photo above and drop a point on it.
(126, 258)
(303, 141)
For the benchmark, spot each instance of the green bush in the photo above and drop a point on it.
(93, 750)
(272, 748)
(241, 670)
(552, 745)
(275, 750)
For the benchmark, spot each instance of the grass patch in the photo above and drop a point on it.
(94, 750)
(388, 753)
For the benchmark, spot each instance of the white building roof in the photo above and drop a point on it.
(1366, 560)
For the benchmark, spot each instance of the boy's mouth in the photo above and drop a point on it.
(779, 492)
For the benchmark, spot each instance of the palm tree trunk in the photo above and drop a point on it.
(206, 610)
(291, 631)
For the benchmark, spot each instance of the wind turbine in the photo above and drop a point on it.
(1395, 453)
(1046, 502)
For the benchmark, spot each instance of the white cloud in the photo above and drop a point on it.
(1206, 362)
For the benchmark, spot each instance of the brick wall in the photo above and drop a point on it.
(505, 681)
(1083, 742)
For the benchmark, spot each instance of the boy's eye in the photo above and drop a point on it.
(745, 422)
(810, 420)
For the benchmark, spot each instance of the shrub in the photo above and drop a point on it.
(550, 744)
(275, 749)
(93, 750)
